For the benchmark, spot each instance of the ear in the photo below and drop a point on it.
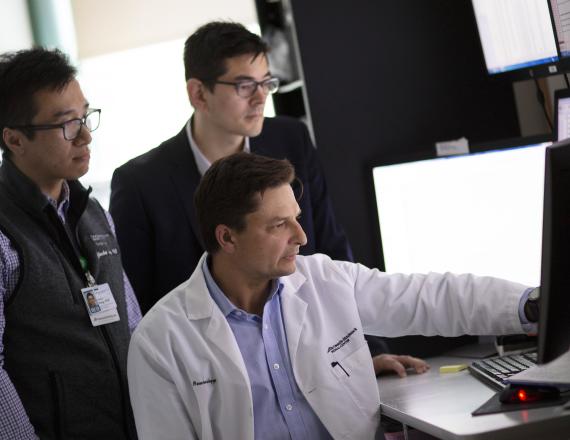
(225, 238)
(14, 140)
(197, 94)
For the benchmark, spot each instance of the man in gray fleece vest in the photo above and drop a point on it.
(66, 308)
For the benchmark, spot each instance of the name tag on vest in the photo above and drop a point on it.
(100, 303)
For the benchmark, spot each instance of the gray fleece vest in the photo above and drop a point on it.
(70, 376)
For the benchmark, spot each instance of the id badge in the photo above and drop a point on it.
(100, 304)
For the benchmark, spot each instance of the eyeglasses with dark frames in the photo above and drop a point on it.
(71, 128)
(247, 87)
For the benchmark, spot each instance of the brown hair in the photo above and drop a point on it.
(232, 188)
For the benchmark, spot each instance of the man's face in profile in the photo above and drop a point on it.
(268, 246)
(231, 113)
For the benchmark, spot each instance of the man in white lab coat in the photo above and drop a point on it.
(262, 343)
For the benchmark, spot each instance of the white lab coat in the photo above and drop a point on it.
(187, 378)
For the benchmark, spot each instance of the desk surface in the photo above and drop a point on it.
(441, 405)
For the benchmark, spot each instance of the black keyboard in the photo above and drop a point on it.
(495, 371)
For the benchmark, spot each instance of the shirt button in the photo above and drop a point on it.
(266, 326)
(276, 366)
(289, 407)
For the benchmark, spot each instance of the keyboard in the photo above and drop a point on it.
(496, 370)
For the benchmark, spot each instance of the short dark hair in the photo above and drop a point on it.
(207, 49)
(22, 75)
(232, 188)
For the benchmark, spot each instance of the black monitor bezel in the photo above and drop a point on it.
(554, 325)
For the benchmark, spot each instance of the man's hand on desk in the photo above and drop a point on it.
(398, 363)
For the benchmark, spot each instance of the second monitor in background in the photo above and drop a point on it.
(479, 213)
(561, 114)
(517, 37)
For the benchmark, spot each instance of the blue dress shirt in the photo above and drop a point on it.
(280, 411)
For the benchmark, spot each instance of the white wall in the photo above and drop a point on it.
(105, 26)
(15, 28)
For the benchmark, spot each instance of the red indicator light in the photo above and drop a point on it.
(527, 395)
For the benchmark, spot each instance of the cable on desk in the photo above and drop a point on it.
(541, 100)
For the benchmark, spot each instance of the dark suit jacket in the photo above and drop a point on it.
(152, 204)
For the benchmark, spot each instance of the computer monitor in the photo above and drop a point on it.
(560, 10)
(562, 114)
(554, 323)
(516, 36)
(479, 213)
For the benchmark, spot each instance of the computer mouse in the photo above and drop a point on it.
(526, 394)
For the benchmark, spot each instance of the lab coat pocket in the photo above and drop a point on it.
(354, 373)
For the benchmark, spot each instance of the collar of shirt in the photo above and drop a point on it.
(62, 205)
(201, 161)
(222, 301)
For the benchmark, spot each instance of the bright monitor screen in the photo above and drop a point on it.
(515, 34)
(479, 213)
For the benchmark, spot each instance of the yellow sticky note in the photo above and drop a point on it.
(452, 368)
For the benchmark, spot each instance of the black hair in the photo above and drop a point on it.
(22, 75)
(207, 49)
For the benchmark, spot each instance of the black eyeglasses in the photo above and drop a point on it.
(71, 128)
(248, 87)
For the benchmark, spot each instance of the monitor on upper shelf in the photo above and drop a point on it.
(517, 37)
(479, 213)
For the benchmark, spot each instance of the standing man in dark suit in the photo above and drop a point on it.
(228, 81)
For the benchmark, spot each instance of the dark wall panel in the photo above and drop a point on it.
(390, 78)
